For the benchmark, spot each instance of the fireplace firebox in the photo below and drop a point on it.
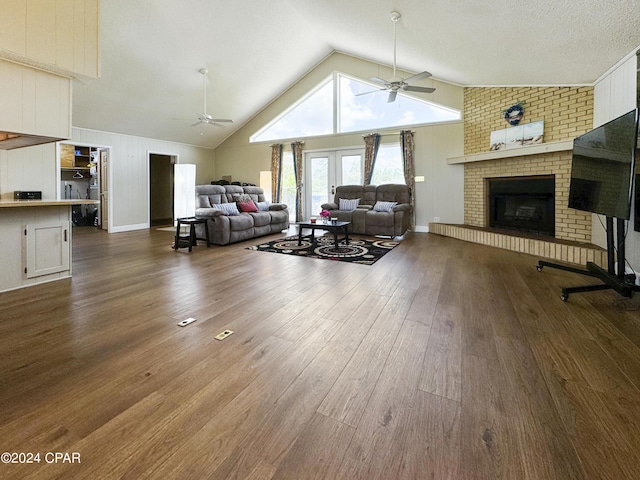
(524, 204)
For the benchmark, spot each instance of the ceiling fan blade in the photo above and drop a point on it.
(221, 120)
(379, 81)
(367, 93)
(410, 88)
(392, 96)
(418, 76)
(197, 123)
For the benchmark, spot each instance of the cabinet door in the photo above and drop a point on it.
(67, 155)
(48, 248)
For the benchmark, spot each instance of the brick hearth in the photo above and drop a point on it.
(559, 250)
(570, 224)
(572, 227)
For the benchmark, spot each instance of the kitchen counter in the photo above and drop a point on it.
(45, 203)
(36, 241)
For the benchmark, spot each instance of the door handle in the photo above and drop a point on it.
(333, 190)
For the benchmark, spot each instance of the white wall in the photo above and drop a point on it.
(28, 168)
(129, 171)
(614, 95)
(441, 195)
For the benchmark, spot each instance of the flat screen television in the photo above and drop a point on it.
(602, 167)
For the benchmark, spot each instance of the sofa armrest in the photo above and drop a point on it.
(208, 212)
(403, 207)
(278, 206)
(329, 206)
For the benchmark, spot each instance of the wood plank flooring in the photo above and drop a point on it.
(444, 360)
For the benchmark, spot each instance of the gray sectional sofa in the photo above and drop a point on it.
(364, 219)
(225, 228)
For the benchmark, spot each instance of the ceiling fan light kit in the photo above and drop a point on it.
(404, 84)
(205, 117)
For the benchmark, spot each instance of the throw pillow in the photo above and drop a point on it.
(227, 208)
(248, 206)
(262, 206)
(349, 204)
(384, 206)
(241, 197)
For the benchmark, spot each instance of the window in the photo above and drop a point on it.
(351, 169)
(314, 114)
(309, 117)
(388, 167)
(358, 112)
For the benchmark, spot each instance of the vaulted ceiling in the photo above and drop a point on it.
(151, 51)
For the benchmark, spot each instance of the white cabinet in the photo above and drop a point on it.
(47, 248)
(57, 35)
(34, 102)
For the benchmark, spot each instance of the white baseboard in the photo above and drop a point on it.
(421, 228)
(128, 228)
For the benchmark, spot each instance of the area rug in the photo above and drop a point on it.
(360, 250)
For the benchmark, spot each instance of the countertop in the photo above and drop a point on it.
(45, 203)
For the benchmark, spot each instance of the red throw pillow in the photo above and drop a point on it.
(248, 206)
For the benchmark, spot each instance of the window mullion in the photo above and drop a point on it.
(336, 99)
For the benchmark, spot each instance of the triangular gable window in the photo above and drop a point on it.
(365, 112)
(310, 116)
(313, 115)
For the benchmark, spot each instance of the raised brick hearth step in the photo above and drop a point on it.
(562, 251)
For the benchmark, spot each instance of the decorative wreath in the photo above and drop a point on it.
(514, 114)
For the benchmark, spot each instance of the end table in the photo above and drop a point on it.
(190, 240)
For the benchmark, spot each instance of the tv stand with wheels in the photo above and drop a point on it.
(612, 281)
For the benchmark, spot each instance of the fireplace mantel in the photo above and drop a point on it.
(562, 146)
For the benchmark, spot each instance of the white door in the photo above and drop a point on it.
(103, 216)
(327, 169)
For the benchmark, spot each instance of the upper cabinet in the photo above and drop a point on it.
(56, 35)
(43, 45)
(36, 106)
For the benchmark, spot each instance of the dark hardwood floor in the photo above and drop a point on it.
(444, 360)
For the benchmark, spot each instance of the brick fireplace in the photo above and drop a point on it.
(570, 224)
(567, 112)
(572, 228)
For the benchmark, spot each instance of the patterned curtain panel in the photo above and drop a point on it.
(296, 148)
(371, 144)
(406, 142)
(276, 172)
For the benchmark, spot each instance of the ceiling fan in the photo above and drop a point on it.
(404, 84)
(205, 117)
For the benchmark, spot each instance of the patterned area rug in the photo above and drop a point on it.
(359, 250)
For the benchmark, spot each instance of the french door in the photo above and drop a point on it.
(324, 171)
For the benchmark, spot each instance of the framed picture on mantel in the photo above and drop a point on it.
(516, 137)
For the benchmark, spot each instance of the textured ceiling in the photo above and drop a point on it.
(151, 51)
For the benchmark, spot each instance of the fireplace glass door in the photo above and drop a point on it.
(524, 204)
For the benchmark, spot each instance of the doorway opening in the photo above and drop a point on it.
(84, 174)
(161, 189)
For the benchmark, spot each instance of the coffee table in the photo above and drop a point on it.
(333, 227)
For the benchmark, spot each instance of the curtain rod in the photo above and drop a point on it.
(296, 141)
(388, 133)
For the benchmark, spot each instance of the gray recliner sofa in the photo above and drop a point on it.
(364, 219)
(224, 228)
